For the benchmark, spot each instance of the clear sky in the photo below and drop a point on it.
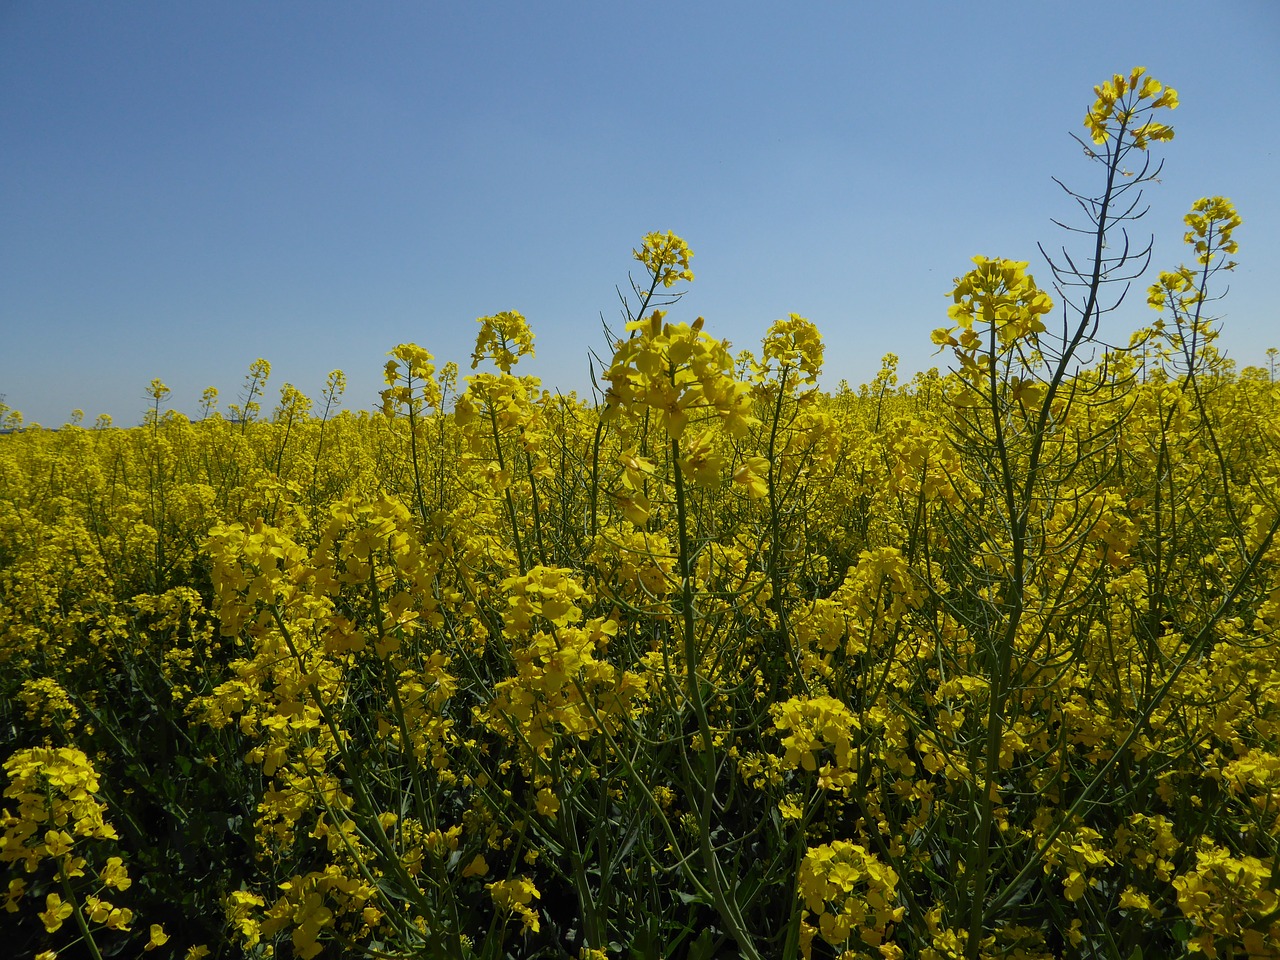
(187, 187)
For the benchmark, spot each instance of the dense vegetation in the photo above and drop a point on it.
(713, 664)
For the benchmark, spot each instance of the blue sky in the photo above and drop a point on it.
(187, 187)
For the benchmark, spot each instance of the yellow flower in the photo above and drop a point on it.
(701, 463)
(795, 344)
(789, 809)
(1000, 292)
(850, 890)
(548, 803)
(158, 937)
(635, 469)
(635, 507)
(115, 875)
(1212, 221)
(753, 474)
(812, 726)
(678, 372)
(410, 381)
(478, 867)
(1074, 934)
(1121, 100)
(17, 888)
(57, 843)
(55, 912)
(96, 909)
(1131, 899)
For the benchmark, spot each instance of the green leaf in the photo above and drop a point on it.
(704, 947)
(687, 898)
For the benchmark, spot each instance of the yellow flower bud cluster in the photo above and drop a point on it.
(861, 614)
(1211, 223)
(923, 464)
(793, 344)
(1175, 289)
(878, 593)
(1122, 102)
(238, 908)
(632, 565)
(506, 404)
(666, 257)
(996, 300)
(48, 704)
(310, 904)
(408, 375)
(254, 567)
(1077, 855)
(1000, 293)
(1148, 842)
(504, 338)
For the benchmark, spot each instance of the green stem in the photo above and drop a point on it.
(81, 922)
(725, 905)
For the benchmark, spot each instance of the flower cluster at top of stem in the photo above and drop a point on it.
(666, 257)
(678, 372)
(504, 338)
(1124, 100)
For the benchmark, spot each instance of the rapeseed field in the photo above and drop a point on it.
(710, 663)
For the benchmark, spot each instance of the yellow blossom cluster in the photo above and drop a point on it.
(666, 257)
(850, 896)
(996, 295)
(560, 685)
(1124, 101)
(680, 373)
(504, 338)
(55, 808)
(810, 728)
(54, 794)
